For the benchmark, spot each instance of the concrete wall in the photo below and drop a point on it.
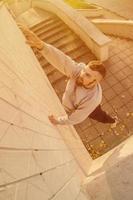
(37, 159)
(120, 28)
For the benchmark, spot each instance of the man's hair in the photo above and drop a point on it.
(97, 65)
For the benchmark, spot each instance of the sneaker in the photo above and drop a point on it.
(113, 125)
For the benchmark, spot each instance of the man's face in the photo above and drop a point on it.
(88, 78)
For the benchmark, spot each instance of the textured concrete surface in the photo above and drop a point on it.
(111, 176)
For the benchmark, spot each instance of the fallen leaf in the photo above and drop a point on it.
(128, 114)
(116, 133)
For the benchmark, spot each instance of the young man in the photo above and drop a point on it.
(83, 93)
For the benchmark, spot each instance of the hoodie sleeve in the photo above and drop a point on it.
(79, 115)
(59, 60)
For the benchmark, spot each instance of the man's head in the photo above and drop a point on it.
(91, 74)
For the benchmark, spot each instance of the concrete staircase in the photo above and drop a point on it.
(52, 30)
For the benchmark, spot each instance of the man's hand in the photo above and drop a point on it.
(53, 120)
(32, 39)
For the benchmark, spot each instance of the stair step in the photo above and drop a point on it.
(56, 75)
(53, 33)
(69, 42)
(39, 25)
(53, 26)
(78, 52)
(65, 39)
(43, 62)
(40, 58)
(84, 58)
(68, 48)
(60, 85)
(58, 80)
(47, 25)
(44, 13)
(49, 69)
(58, 37)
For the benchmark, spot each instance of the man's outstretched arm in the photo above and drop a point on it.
(59, 60)
(54, 56)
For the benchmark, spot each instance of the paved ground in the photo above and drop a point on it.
(117, 100)
(122, 7)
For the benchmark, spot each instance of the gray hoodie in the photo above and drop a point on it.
(78, 101)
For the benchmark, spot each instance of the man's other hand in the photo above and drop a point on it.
(53, 120)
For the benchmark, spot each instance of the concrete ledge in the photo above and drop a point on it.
(93, 38)
(19, 7)
(90, 12)
(121, 28)
(31, 14)
(94, 11)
